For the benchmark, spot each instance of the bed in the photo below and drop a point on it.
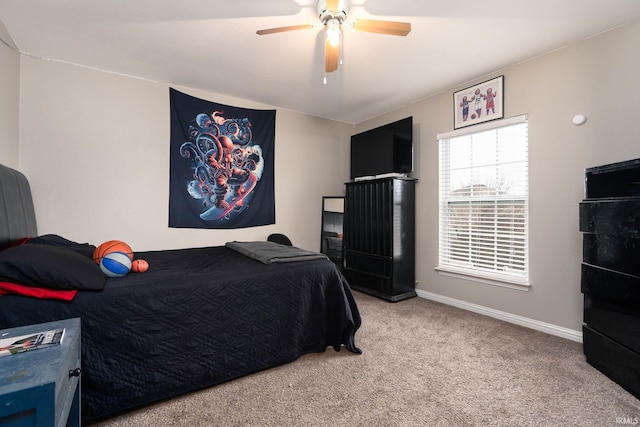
(196, 318)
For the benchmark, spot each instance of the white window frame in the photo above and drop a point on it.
(460, 261)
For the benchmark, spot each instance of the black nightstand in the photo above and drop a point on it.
(42, 387)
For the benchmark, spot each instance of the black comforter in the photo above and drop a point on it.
(196, 318)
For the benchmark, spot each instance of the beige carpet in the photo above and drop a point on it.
(423, 364)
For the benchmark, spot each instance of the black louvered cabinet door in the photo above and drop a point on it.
(379, 237)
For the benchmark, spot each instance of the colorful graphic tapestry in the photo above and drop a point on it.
(221, 165)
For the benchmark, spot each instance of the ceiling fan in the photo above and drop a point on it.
(332, 14)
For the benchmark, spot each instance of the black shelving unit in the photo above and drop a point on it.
(610, 222)
(379, 237)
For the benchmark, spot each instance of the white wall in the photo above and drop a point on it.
(596, 77)
(95, 147)
(9, 102)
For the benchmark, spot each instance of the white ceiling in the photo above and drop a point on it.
(212, 45)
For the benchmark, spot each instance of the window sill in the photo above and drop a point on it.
(476, 277)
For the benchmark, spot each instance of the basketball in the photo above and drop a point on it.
(115, 264)
(139, 266)
(473, 116)
(112, 246)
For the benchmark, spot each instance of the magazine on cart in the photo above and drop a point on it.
(29, 342)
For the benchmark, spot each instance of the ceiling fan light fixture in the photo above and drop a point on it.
(333, 32)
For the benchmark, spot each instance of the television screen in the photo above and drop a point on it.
(384, 150)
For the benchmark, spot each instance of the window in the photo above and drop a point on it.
(484, 197)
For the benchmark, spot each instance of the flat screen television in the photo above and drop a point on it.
(386, 150)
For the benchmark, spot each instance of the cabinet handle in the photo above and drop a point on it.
(74, 372)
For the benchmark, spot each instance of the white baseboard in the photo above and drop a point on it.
(548, 328)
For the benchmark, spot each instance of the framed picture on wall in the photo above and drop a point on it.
(479, 103)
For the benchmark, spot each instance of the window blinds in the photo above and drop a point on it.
(484, 201)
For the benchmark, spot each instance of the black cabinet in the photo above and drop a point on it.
(332, 228)
(610, 282)
(379, 237)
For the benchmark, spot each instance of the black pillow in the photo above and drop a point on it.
(85, 249)
(51, 267)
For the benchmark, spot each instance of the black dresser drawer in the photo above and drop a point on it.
(621, 254)
(619, 323)
(610, 285)
(367, 283)
(613, 359)
(373, 265)
(616, 217)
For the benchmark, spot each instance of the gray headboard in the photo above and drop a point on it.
(17, 215)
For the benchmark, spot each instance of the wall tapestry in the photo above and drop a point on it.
(221, 164)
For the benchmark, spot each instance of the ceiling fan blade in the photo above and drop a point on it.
(331, 57)
(283, 29)
(382, 27)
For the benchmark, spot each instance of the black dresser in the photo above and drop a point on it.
(379, 237)
(610, 221)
